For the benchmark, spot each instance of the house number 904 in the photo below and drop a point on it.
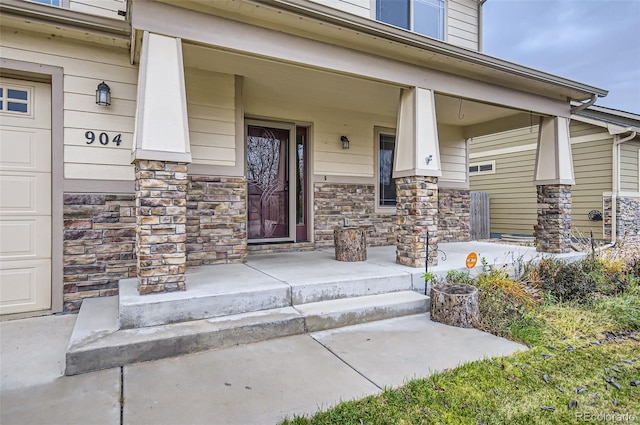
(102, 138)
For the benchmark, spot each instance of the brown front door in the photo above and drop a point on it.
(268, 181)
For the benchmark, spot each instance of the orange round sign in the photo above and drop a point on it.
(472, 260)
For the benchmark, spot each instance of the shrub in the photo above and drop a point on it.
(503, 301)
(455, 276)
(632, 266)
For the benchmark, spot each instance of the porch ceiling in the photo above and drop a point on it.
(267, 79)
(317, 21)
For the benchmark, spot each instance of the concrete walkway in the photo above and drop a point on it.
(258, 383)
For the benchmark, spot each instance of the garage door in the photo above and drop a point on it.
(25, 196)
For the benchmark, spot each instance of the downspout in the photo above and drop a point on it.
(585, 105)
(480, 35)
(616, 186)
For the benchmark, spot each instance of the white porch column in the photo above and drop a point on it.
(161, 128)
(160, 153)
(416, 169)
(417, 147)
(553, 177)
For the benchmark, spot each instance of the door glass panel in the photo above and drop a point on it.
(387, 189)
(268, 182)
(299, 178)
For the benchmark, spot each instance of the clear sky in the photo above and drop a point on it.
(595, 42)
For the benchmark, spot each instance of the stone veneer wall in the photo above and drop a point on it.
(336, 201)
(627, 220)
(417, 214)
(98, 247)
(161, 217)
(216, 220)
(553, 231)
(99, 235)
(454, 215)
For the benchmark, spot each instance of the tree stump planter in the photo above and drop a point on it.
(350, 243)
(455, 304)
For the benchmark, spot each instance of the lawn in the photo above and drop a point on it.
(582, 324)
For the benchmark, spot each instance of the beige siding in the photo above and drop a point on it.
(592, 165)
(462, 23)
(329, 124)
(579, 129)
(512, 193)
(107, 8)
(453, 154)
(523, 138)
(211, 110)
(629, 158)
(356, 7)
(84, 67)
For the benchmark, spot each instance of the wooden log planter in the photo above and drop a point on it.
(350, 243)
(455, 304)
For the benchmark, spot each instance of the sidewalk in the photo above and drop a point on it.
(258, 383)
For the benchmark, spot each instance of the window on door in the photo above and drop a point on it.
(386, 182)
(424, 17)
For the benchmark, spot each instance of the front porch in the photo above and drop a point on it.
(271, 296)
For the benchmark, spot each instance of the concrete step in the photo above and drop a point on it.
(350, 287)
(106, 348)
(350, 311)
(212, 291)
(97, 342)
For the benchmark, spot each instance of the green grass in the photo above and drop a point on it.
(574, 344)
(507, 390)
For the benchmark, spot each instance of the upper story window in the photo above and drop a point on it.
(425, 17)
(57, 3)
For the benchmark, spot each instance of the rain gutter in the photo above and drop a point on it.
(616, 186)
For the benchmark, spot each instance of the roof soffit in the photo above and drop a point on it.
(339, 28)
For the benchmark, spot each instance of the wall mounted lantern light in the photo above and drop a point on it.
(103, 94)
(345, 142)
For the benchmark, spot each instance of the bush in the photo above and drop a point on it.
(632, 266)
(581, 280)
(455, 276)
(503, 302)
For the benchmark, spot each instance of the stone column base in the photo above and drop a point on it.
(553, 231)
(417, 213)
(161, 208)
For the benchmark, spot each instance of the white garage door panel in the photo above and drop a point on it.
(25, 196)
(25, 288)
(20, 239)
(25, 150)
(25, 193)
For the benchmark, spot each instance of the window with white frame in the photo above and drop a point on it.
(386, 183)
(424, 17)
(56, 3)
(15, 100)
(487, 167)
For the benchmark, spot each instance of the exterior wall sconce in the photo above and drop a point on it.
(345, 142)
(103, 94)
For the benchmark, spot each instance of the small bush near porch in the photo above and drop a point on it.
(582, 323)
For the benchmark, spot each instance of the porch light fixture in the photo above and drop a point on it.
(103, 94)
(345, 142)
